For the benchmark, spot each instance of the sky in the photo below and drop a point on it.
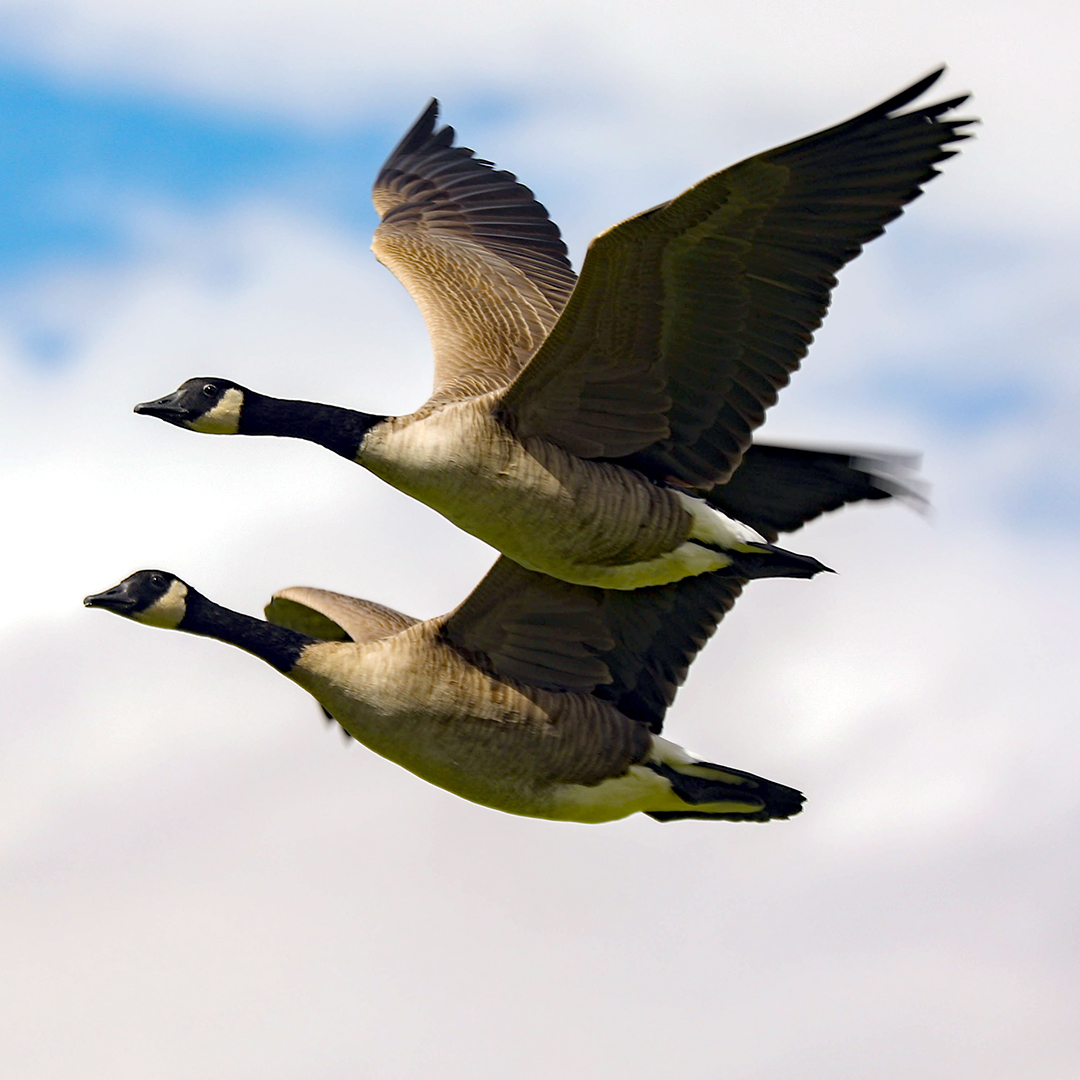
(201, 879)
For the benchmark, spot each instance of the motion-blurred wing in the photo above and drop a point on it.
(689, 318)
(779, 489)
(477, 252)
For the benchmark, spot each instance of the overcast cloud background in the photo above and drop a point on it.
(200, 880)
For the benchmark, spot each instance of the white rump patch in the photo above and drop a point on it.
(640, 789)
(665, 752)
(712, 527)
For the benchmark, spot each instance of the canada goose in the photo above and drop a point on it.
(586, 430)
(535, 697)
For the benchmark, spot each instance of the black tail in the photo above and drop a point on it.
(736, 795)
(767, 560)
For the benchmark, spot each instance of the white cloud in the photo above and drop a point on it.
(639, 83)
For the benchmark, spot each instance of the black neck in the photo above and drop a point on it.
(340, 430)
(277, 645)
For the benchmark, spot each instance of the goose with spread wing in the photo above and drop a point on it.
(535, 696)
(590, 428)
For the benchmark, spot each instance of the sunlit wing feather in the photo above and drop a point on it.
(477, 252)
(331, 616)
(689, 318)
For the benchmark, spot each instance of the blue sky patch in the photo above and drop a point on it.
(76, 159)
(1049, 498)
(79, 161)
(950, 401)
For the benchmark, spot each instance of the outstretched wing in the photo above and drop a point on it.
(630, 648)
(479, 255)
(689, 318)
(332, 616)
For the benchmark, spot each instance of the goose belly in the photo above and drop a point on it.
(639, 789)
(592, 523)
(511, 748)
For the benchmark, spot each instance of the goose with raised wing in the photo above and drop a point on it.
(535, 696)
(590, 428)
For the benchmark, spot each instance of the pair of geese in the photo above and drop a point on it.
(597, 432)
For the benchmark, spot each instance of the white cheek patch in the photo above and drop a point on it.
(168, 610)
(223, 418)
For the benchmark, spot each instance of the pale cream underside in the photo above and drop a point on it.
(591, 523)
(473, 741)
(641, 789)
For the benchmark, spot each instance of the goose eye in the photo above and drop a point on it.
(157, 581)
(210, 390)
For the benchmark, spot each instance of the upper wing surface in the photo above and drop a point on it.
(689, 318)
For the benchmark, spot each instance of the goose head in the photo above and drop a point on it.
(210, 405)
(154, 597)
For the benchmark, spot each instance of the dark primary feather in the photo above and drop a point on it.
(778, 489)
(688, 319)
(658, 631)
(428, 180)
(535, 629)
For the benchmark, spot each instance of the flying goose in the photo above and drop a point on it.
(589, 429)
(535, 696)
